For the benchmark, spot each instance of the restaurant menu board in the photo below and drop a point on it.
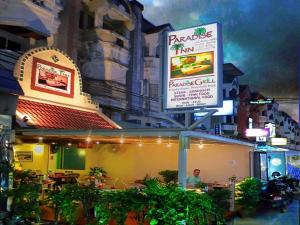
(194, 67)
(52, 78)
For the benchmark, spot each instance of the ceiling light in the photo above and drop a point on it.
(140, 143)
(200, 145)
(121, 139)
(158, 141)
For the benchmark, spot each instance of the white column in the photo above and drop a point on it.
(182, 159)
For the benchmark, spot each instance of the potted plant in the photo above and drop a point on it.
(25, 204)
(97, 176)
(169, 176)
(248, 195)
(65, 203)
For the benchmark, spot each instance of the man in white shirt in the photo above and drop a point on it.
(192, 181)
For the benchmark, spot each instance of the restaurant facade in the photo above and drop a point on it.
(61, 130)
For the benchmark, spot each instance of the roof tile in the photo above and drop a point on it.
(49, 116)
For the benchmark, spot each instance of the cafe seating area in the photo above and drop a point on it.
(70, 194)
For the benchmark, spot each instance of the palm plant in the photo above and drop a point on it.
(177, 47)
(199, 31)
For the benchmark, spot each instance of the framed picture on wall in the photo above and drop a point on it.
(24, 156)
(52, 78)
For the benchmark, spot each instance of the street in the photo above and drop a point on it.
(273, 217)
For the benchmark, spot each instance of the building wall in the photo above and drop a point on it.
(128, 162)
(40, 159)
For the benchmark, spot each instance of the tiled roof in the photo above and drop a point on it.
(42, 115)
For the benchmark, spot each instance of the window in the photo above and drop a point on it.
(157, 52)
(38, 2)
(2, 43)
(146, 51)
(224, 93)
(228, 119)
(11, 45)
(70, 158)
(8, 44)
(153, 91)
(270, 107)
(90, 22)
(120, 43)
(232, 93)
(81, 20)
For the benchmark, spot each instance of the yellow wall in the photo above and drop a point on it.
(128, 162)
(40, 160)
(219, 162)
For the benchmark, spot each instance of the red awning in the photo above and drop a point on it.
(47, 116)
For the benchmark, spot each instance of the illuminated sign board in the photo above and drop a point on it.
(194, 68)
(261, 139)
(226, 110)
(258, 132)
(278, 141)
(261, 101)
(272, 128)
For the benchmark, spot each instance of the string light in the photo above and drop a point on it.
(169, 145)
(121, 139)
(200, 145)
(158, 141)
(140, 143)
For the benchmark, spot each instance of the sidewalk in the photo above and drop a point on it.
(273, 217)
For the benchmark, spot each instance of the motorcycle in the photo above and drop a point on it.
(277, 194)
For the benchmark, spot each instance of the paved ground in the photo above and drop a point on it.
(273, 217)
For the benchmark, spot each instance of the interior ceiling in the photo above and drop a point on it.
(111, 140)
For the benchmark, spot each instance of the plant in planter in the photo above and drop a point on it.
(64, 203)
(25, 201)
(5, 170)
(169, 176)
(248, 194)
(87, 196)
(97, 175)
(220, 198)
(111, 205)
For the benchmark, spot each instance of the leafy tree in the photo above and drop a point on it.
(248, 193)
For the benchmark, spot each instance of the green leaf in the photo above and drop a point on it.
(153, 222)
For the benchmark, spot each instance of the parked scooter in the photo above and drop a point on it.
(277, 194)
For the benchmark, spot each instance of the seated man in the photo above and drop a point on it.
(192, 181)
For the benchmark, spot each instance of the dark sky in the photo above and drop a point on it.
(261, 37)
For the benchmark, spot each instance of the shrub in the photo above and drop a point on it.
(169, 176)
(248, 193)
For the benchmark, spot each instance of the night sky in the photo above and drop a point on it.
(261, 37)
